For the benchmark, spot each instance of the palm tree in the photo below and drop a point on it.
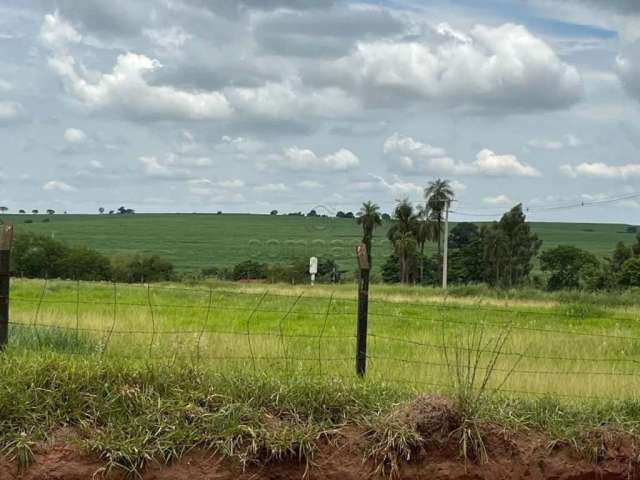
(425, 232)
(369, 217)
(404, 245)
(402, 235)
(439, 196)
(404, 219)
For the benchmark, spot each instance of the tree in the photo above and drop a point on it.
(273, 212)
(630, 273)
(249, 270)
(404, 219)
(424, 232)
(51, 212)
(402, 236)
(509, 248)
(391, 269)
(369, 219)
(621, 254)
(466, 263)
(4, 209)
(34, 211)
(21, 211)
(567, 266)
(312, 213)
(101, 210)
(439, 196)
(126, 211)
(404, 246)
(636, 247)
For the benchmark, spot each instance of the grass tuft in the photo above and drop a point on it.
(392, 439)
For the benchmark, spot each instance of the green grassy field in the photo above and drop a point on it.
(562, 349)
(143, 374)
(194, 241)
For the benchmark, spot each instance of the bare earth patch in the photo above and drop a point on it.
(601, 454)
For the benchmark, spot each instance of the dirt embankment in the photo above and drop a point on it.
(601, 455)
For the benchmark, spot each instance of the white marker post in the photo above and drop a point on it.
(313, 268)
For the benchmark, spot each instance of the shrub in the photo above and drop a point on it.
(567, 265)
(82, 263)
(250, 269)
(38, 256)
(630, 273)
(140, 269)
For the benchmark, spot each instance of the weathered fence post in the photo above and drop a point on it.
(6, 237)
(363, 309)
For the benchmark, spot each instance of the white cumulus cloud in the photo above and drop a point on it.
(305, 159)
(57, 185)
(601, 170)
(56, 32)
(271, 187)
(505, 67)
(490, 164)
(413, 156)
(11, 112)
(498, 200)
(74, 135)
(125, 88)
(567, 141)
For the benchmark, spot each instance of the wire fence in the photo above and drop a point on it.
(548, 351)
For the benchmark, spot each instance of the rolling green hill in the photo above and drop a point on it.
(193, 241)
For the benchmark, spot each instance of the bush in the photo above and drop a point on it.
(141, 269)
(630, 273)
(568, 266)
(38, 256)
(82, 263)
(250, 270)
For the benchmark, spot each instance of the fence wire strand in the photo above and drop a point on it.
(404, 348)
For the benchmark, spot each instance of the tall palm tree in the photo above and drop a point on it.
(369, 217)
(404, 219)
(425, 232)
(439, 196)
(404, 245)
(402, 235)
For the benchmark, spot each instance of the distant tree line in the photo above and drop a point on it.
(38, 256)
(295, 272)
(501, 254)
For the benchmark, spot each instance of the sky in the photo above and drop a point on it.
(293, 105)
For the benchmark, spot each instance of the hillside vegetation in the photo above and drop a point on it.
(195, 241)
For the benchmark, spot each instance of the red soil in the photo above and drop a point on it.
(511, 456)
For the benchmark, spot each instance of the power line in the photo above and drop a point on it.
(553, 207)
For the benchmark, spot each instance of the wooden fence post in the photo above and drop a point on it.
(6, 237)
(363, 310)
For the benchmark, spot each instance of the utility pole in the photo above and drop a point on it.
(446, 246)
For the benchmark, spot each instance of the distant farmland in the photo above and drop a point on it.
(194, 241)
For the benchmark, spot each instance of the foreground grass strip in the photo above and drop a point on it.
(131, 414)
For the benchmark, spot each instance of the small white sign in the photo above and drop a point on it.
(313, 265)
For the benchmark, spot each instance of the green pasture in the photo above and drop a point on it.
(568, 350)
(194, 241)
